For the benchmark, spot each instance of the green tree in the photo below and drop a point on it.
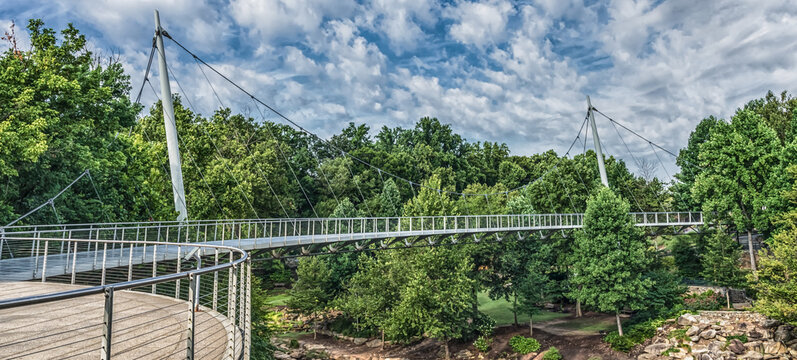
(534, 290)
(390, 199)
(610, 257)
(721, 261)
(738, 160)
(777, 282)
(309, 294)
(686, 257)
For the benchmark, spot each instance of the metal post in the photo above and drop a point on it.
(597, 141)
(44, 262)
(192, 291)
(107, 324)
(248, 317)
(171, 126)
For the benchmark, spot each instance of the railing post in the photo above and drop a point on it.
(107, 319)
(104, 254)
(248, 317)
(179, 265)
(44, 262)
(192, 292)
(215, 279)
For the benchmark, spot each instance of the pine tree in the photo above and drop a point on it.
(721, 262)
(309, 294)
(609, 257)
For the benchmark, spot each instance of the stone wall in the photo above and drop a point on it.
(722, 335)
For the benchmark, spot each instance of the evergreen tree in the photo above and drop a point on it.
(309, 294)
(777, 281)
(610, 257)
(721, 262)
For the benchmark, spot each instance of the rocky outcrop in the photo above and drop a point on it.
(722, 335)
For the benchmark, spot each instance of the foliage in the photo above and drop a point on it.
(685, 253)
(707, 300)
(262, 349)
(721, 260)
(483, 343)
(524, 345)
(552, 354)
(309, 294)
(777, 278)
(609, 257)
(742, 338)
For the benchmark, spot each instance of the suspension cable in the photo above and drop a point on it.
(235, 132)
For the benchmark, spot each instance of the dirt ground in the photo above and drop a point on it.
(572, 344)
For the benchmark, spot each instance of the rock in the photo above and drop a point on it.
(646, 356)
(695, 338)
(775, 348)
(721, 338)
(314, 347)
(755, 335)
(657, 349)
(282, 356)
(692, 331)
(708, 334)
(687, 319)
(783, 333)
(463, 354)
(736, 347)
(716, 346)
(770, 324)
(374, 343)
(359, 341)
(752, 355)
(705, 356)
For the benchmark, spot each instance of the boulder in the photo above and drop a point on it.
(774, 348)
(695, 338)
(657, 349)
(755, 335)
(359, 341)
(463, 354)
(708, 334)
(736, 347)
(752, 355)
(314, 347)
(374, 343)
(647, 356)
(770, 324)
(783, 333)
(687, 319)
(692, 331)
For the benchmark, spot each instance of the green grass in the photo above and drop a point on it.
(292, 335)
(589, 325)
(501, 311)
(277, 298)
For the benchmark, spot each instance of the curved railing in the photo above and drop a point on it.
(125, 299)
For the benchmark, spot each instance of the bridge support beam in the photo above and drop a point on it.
(597, 140)
(169, 121)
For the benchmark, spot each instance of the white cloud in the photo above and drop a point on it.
(478, 23)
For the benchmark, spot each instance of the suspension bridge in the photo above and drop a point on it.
(181, 289)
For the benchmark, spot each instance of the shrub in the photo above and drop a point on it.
(742, 338)
(294, 344)
(524, 345)
(637, 333)
(552, 354)
(483, 343)
(708, 300)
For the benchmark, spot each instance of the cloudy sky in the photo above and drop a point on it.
(514, 72)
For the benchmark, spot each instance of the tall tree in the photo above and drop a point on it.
(610, 257)
(777, 281)
(721, 262)
(737, 161)
(309, 294)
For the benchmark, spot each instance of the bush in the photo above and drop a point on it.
(524, 345)
(483, 324)
(552, 354)
(483, 343)
(638, 333)
(742, 338)
(708, 300)
(294, 344)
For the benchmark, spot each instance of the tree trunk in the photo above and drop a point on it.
(531, 325)
(578, 308)
(383, 339)
(446, 347)
(728, 296)
(619, 324)
(752, 253)
(514, 310)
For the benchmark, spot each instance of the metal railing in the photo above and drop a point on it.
(126, 299)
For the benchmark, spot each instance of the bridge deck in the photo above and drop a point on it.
(73, 328)
(32, 267)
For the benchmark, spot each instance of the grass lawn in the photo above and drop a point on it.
(590, 324)
(292, 335)
(501, 311)
(277, 298)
